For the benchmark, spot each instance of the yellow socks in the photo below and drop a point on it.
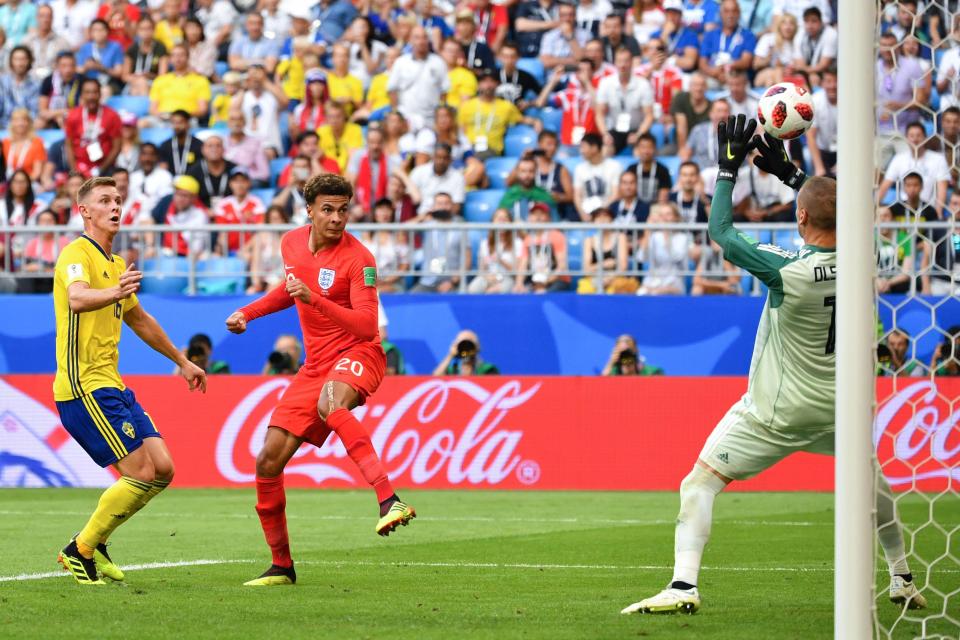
(155, 487)
(120, 501)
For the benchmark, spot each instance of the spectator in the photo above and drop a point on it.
(418, 80)
(200, 352)
(276, 23)
(625, 360)
(644, 18)
(776, 53)
(40, 255)
(728, 48)
(240, 207)
(464, 359)
(595, 179)
(308, 144)
(290, 197)
(230, 100)
(433, 178)
(18, 208)
(183, 209)
(390, 249)
(445, 254)
(895, 266)
(122, 17)
(816, 45)
(404, 209)
(345, 89)
(498, 258)
(212, 172)
(690, 108)
(59, 92)
(941, 278)
(681, 42)
(266, 263)
(629, 208)
(254, 47)
(625, 342)
(690, 202)
(714, 274)
(624, 104)
(822, 135)
(605, 257)
(516, 85)
(911, 210)
(71, 18)
(129, 156)
(593, 51)
(101, 58)
(169, 30)
(492, 20)
(486, 118)
(218, 18)
(576, 100)
(18, 88)
(201, 53)
(65, 202)
(285, 358)
(369, 171)
(591, 14)
(524, 191)
(553, 176)
(339, 138)
(243, 150)
(334, 16)
(17, 18)
(908, 21)
(182, 150)
(367, 55)
(562, 46)
(946, 357)
(653, 179)
(736, 95)
(92, 133)
(798, 8)
(261, 105)
(665, 79)
(702, 16)
(474, 171)
(896, 78)
(534, 18)
(476, 52)
(766, 198)
(614, 38)
(149, 183)
(894, 359)
(144, 61)
(932, 165)
(309, 115)
(665, 253)
(22, 149)
(463, 82)
(948, 70)
(701, 145)
(44, 43)
(543, 260)
(180, 89)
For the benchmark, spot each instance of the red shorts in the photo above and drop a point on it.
(361, 367)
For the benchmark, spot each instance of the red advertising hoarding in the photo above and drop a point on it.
(495, 432)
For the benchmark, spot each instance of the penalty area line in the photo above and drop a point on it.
(132, 567)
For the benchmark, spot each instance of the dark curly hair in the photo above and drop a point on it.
(326, 184)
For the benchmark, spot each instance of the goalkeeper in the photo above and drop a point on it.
(789, 403)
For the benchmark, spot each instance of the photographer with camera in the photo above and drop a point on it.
(199, 351)
(464, 359)
(625, 360)
(946, 358)
(285, 358)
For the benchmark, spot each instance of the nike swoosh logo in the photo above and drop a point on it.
(286, 266)
(730, 156)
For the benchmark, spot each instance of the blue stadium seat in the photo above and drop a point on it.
(567, 151)
(518, 139)
(220, 276)
(220, 68)
(165, 276)
(277, 165)
(656, 130)
(480, 205)
(498, 169)
(672, 163)
(137, 105)
(533, 66)
(156, 135)
(50, 136)
(552, 119)
(889, 197)
(575, 240)
(570, 162)
(265, 195)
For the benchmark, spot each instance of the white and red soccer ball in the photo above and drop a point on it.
(786, 110)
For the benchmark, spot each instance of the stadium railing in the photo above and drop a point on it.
(216, 258)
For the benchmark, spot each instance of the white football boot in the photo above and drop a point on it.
(670, 601)
(903, 592)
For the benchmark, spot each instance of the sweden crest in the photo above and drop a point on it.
(128, 430)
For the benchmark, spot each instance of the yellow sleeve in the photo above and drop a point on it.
(464, 117)
(156, 88)
(513, 114)
(203, 90)
(73, 265)
(354, 136)
(356, 90)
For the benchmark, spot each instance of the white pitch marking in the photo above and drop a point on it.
(132, 567)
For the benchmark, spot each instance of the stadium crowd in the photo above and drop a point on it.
(522, 113)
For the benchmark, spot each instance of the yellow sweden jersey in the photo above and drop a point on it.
(87, 343)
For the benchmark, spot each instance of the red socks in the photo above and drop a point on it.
(271, 507)
(357, 443)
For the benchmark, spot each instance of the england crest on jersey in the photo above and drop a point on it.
(325, 280)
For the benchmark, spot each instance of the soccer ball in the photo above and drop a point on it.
(785, 110)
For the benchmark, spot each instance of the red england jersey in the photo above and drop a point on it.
(83, 128)
(343, 307)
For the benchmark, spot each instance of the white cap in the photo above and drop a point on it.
(299, 10)
(672, 5)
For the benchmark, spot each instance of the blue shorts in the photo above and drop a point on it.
(109, 424)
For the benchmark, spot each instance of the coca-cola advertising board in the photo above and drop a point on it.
(478, 433)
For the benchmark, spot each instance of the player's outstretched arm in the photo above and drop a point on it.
(83, 298)
(763, 261)
(774, 160)
(150, 331)
(274, 300)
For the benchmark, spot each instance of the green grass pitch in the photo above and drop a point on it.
(475, 564)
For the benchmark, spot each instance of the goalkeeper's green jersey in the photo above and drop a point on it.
(792, 374)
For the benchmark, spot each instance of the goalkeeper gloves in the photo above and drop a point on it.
(735, 139)
(774, 160)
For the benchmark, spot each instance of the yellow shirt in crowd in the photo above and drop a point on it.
(377, 94)
(488, 119)
(292, 78)
(339, 149)
(463, 86)
(172, 92)
(348, 90)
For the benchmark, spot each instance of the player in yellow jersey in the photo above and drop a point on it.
(93, 291)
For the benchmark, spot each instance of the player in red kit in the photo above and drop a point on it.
(331, 278)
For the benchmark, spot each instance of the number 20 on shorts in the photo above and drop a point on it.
(353, 366)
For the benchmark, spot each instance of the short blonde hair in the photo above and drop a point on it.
(26, 114)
